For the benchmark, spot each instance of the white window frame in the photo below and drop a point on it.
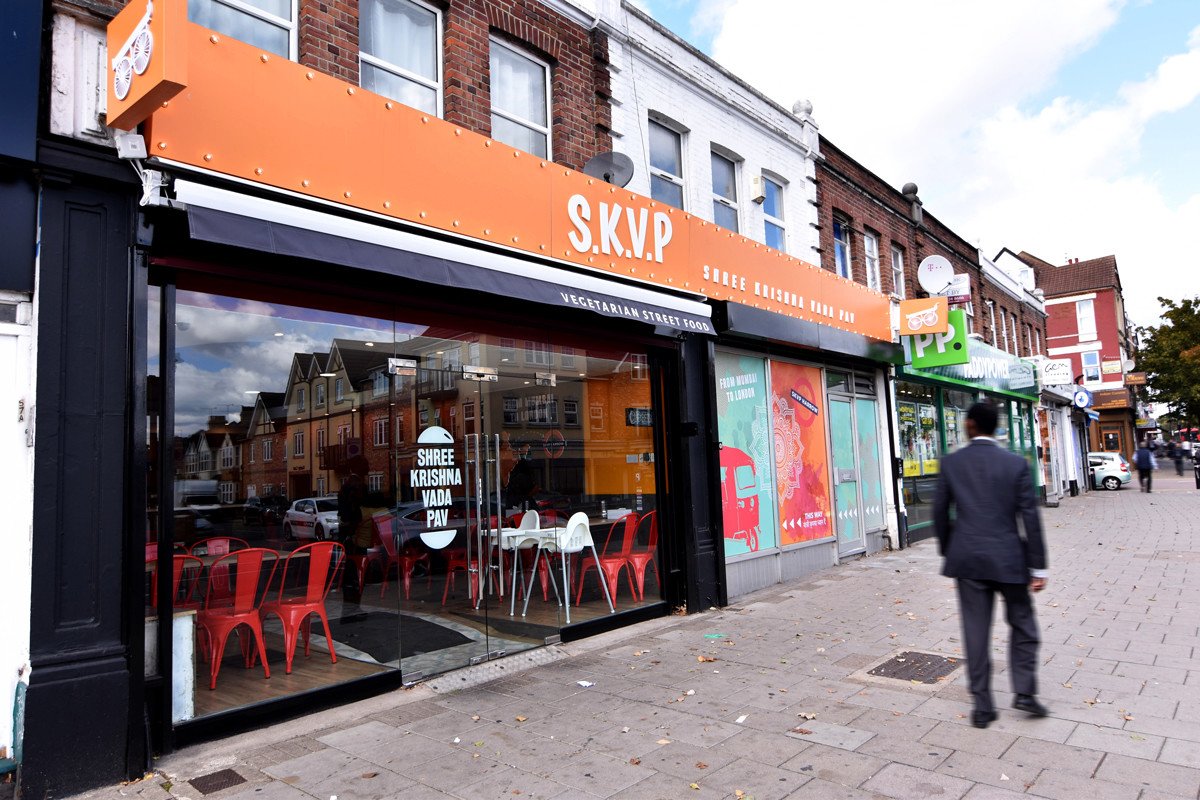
(250, 448)
(269, 18)
(508, 349)
(1037, 335)
(546, 130)
(298, 443)
(639, 367)
(842, 221)
(320, 441)
(379, 384)
(670, 177)
(343, 433)
(400, 429)
(387, 66)
(537, 353)
(897, 271)
(301, 398)
(321, 486)
(1029, 339)
(339, 390)
(874, 279)
(568, 357)
(381, 432)
(268, 450)
(571, 413)
(375, 482)
(227, 490)
(1016, 342)
(1083, 359)
(720, 199)
(319, 395)
(769, 219)
(1090, 317)
(992, 315)
(1004, 330)
(227, 457)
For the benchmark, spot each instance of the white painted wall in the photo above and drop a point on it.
(654, 73)
(16, 476)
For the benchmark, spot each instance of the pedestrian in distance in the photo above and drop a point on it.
(985, 551)
(1176, 454)
(1144, 460)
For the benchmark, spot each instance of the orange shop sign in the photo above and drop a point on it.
(257, 117)
(147, 59)
(928, 315)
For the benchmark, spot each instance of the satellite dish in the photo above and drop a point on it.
(935, 274)
(614, 168)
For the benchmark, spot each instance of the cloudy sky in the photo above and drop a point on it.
(1070, 129)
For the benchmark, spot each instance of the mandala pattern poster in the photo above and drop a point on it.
(801, 457)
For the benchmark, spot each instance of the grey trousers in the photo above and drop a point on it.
(976, 601)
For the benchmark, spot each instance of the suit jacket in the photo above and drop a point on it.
(990, 488)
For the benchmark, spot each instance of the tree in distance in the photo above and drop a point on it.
(1170, 357)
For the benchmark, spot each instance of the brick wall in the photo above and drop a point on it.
(581, 117)
(846, 188)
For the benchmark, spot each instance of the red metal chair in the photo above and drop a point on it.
(218, 546)
(612, 563)
(640, 560)
(185, 577)
(221, 615)
(319, 564)
(405, 561)
(456, 561)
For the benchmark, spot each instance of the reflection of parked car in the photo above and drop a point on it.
(312, 518)
(739, 497)
(1112, 470)
(263, 510)
(411, 520)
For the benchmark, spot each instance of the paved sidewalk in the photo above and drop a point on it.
(769, 698)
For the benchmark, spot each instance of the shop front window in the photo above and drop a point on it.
(920, 448)
(424, 553)
(956, 405)
(774, 462)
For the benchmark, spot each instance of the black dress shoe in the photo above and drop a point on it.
(980, 719)
(1029, 704)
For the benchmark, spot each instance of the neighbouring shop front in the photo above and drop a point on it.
(803, 449)
(931, 411)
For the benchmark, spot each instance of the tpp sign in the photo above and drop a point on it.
(939, 349)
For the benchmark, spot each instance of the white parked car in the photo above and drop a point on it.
(312, 518)
(1112, 470)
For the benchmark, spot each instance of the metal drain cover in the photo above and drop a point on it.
(913, 666)
(216, 781)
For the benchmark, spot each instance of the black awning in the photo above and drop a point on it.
(755, 323)
(503, 275)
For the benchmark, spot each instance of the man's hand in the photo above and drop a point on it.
(1037, 584)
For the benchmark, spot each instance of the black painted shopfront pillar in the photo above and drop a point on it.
(700, 520)
(84, 709)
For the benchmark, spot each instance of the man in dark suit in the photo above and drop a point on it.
(985, 552)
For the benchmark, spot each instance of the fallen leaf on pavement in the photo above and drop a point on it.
(701, 765)
(695, 786)
(521, 719)
(705, 659)
(801, 731)
(1067, 686)
(807, 715)
(663, 741)
(370, 774)
(635, 761)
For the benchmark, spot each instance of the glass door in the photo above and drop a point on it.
(870, 472)
(851, 533)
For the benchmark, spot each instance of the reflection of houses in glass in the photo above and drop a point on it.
(263, 465)
(214, 454)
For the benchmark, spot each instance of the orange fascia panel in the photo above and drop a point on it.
(256, 116)
(147, 59)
